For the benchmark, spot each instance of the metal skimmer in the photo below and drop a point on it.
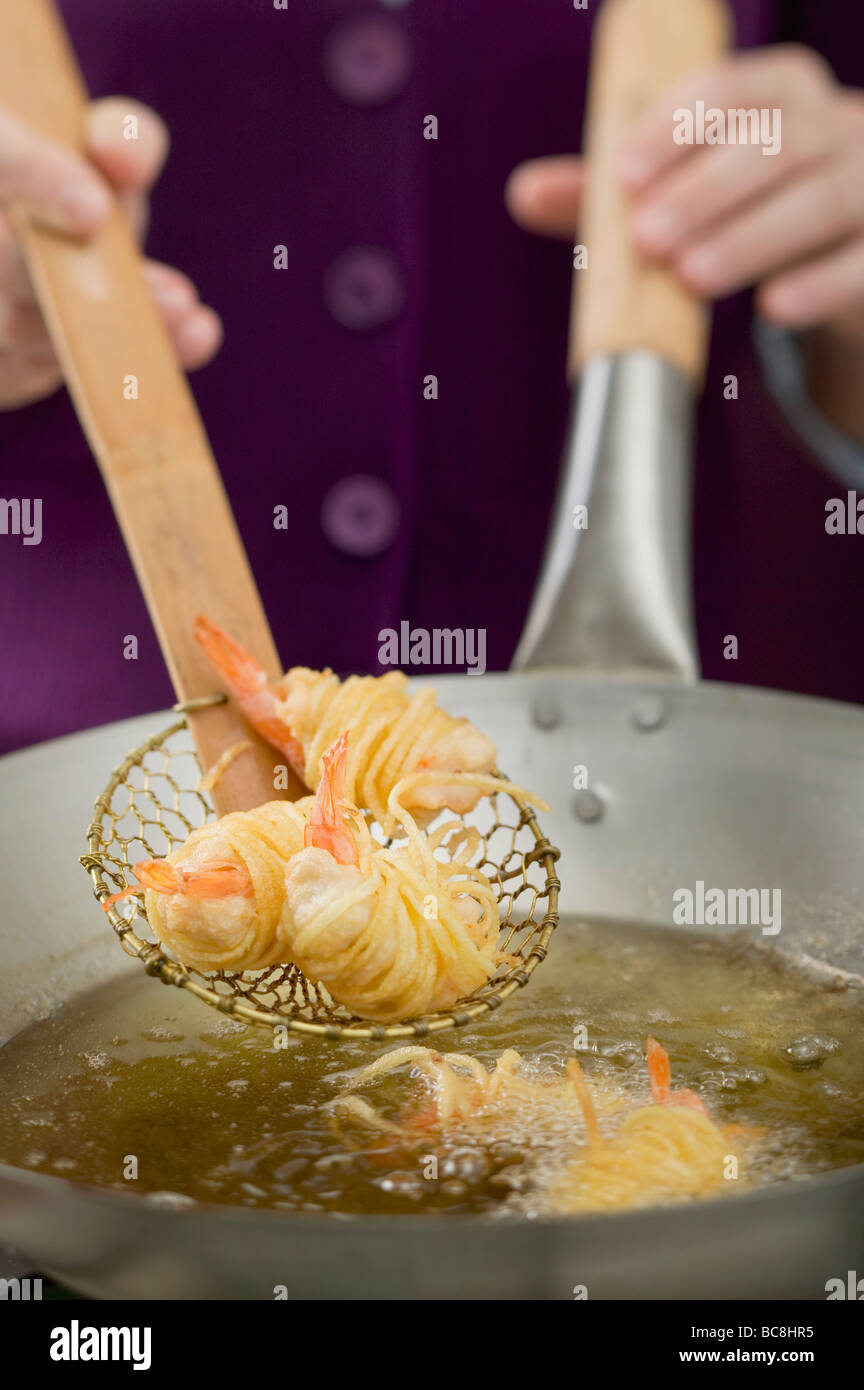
(154, 800)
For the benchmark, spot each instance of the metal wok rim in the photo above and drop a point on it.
(226, 1212)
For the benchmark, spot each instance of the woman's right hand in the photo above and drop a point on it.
(72, 194)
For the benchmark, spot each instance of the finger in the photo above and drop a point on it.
(54, 185)
(173, 291)
(23, 332)
(819, 291)
(9, 317)
(128, 142)
(14, 280)
(718, 180)
(137, 209)
(543, 195)
(198, 337)
(23, 383)
(809, 215)
(195, 329)
(766, 78)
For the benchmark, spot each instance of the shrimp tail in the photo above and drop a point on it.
(249, 684)
(660, 1078)
(216, 880)
(326, 828)
(659, 1070)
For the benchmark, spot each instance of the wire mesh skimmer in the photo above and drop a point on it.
(155, 799)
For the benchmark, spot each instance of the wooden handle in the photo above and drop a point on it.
(140, 418)
(621, 302)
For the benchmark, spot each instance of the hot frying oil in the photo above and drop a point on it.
(142, 1089)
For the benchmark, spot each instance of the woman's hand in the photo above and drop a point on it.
(727, 217)
(70, 194)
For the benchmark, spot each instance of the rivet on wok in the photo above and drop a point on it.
(650, 713)
(587, 806)
(545, 713)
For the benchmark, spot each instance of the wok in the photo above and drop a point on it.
(735, 786)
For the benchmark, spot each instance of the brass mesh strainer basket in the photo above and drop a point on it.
(154, 800)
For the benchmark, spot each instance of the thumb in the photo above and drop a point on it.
(127, 141)
(51, 183)
(544, 195)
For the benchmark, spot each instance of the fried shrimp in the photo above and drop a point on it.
(216, 902)
(658, 1154)
(389, 932)
(661, 1152)
(400, 743)
(460, 1085)
(462, 1091)
(668, 1150)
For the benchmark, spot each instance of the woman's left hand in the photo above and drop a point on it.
(727, 217)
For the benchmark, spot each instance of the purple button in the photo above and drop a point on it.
(367, 60)
(360, 515)
(364, 288)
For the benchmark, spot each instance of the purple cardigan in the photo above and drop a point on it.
(303, 127)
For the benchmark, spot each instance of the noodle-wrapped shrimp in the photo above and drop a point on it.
(458, 1087)
(459, 1090)
(666, 1151)
(400, 742)
(216, 903)
(390, 933)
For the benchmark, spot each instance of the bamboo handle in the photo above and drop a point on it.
(621, 302)
(140, 418)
